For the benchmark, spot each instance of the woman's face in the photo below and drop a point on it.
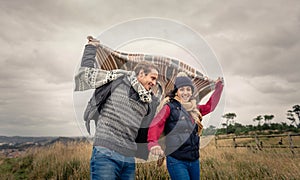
(184, 93)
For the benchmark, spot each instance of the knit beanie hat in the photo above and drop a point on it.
(181, 80)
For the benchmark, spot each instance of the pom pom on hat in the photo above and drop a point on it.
(182, 79)
(182, 74)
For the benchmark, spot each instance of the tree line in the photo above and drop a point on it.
(264, 124)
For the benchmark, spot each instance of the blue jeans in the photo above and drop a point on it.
(107, 164)
(186, 170)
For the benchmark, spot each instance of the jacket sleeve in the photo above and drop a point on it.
(213, 100)
(88, 58)
(157, 126)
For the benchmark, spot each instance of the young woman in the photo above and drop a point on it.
(180, 120)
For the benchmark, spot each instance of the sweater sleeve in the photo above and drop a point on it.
(88, 58)
(213, 100)
(157, 126)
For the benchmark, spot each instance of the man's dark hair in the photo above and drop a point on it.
(146, 66)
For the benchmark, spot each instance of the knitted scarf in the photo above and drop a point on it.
(190, 107)
(144, 95)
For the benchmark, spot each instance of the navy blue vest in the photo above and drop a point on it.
(182, 140)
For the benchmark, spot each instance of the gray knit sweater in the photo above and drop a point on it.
(120, 119)
(122, 114)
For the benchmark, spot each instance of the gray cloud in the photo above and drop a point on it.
(42, 42)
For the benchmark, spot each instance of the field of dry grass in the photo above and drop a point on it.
(242, 163)
(58, 161)
(71, 161)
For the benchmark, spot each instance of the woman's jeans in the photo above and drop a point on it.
(107, 164)
(183, 169)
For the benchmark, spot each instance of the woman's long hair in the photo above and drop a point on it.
(171, 94)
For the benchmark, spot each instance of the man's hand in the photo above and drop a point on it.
(156, 150)
(93, 41)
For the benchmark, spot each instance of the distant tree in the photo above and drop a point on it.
(296, 110)
(238, 129)
(292, 113)
(268, 118)
(250, 127)
(258, 118)
(211, 130)
(228, 117)
(224, 125)
(290, 116)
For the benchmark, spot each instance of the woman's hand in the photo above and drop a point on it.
(220, 80)
(156, 150)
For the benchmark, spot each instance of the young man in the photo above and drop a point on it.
(120, 117)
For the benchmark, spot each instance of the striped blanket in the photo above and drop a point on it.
(109, 59)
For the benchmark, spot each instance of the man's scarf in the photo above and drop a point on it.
(144, 95)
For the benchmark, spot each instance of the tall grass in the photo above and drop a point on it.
(71, 161)
(59, 161)
(242, 163)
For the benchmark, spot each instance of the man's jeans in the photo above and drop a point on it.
(183, 169)
(107, 164)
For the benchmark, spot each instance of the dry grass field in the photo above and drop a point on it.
(71, 161)
(243, 163)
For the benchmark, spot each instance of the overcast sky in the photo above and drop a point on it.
(257, 44)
